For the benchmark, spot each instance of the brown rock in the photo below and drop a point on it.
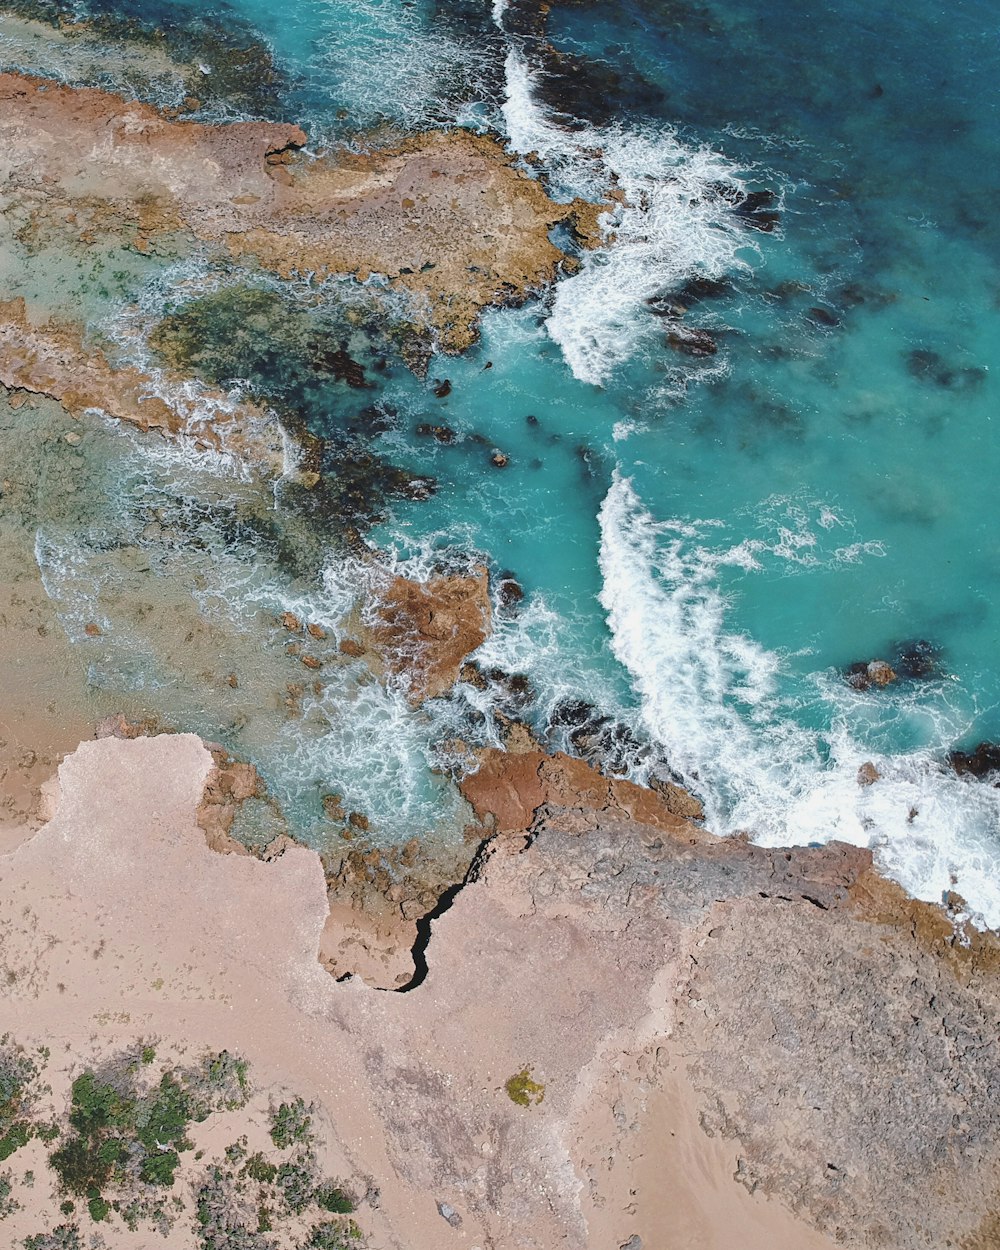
(514, 787)
(354, 649)
(290, 622)
(422, 631)
(881, 673)
(868, 774)
(445, 215)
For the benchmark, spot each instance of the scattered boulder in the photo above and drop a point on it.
(692, 341)
(863, 675)
(442, 433)
(981, 762)
(868, 774)
(499, 459)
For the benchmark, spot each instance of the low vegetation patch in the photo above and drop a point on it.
(125, 1152)
(523, 1090)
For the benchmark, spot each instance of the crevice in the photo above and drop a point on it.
(418, 951)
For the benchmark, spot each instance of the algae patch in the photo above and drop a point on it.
(523, 1090)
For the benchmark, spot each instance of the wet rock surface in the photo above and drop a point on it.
(445, 216)
(419, 633)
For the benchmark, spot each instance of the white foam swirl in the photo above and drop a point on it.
(712, 697)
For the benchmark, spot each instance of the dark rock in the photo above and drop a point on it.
(823, 317)
(703, 288)
(666, 306)
(917, 659)
(510, 593)
(692, 342)
(568, 713)
(597, 738)
(531, 419)
(981, 762)
(442, 433)
(443, 389)
(755, 209)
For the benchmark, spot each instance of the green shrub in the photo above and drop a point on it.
(258, 1169)
(80, 1167)
(63, 1237)
(18, 1135)
(332, 1198)
(98, 1209)
(290, 1123)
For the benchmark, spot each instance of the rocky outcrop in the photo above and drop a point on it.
(447, 217)
(514, 790)
(50, 358)
(682, 1010)
(229, 785)
(418, 634)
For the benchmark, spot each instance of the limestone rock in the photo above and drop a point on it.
(421, 632)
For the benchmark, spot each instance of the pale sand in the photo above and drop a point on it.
(117, 922)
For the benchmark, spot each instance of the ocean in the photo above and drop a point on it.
(749, 441)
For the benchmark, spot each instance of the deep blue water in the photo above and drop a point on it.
(707, 543)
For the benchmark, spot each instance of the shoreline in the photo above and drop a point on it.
(541, 964)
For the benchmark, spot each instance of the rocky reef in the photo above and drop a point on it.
(447, 218)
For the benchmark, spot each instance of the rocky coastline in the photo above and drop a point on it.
(605, 1001)
(586, 1021)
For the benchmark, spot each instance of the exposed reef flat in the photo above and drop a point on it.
(50, 359)
(575, 1069)
(446, 217)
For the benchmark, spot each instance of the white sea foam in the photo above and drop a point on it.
(669, 227)
(712, 697)
(385, 62)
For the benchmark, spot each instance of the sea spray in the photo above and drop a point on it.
(666, 224)
(721, 707)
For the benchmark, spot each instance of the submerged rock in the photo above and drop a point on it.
(692, 341)
(918, 659)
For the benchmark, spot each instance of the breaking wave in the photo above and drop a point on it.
(735, 723)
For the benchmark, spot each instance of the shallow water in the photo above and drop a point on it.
(705, 543)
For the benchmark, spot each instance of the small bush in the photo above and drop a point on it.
(290, 1124)
(521, 1089)
(64, 1237)
(98, 1209)
(333, 1199)
(258, 1169)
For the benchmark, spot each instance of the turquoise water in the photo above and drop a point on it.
(707, 543)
